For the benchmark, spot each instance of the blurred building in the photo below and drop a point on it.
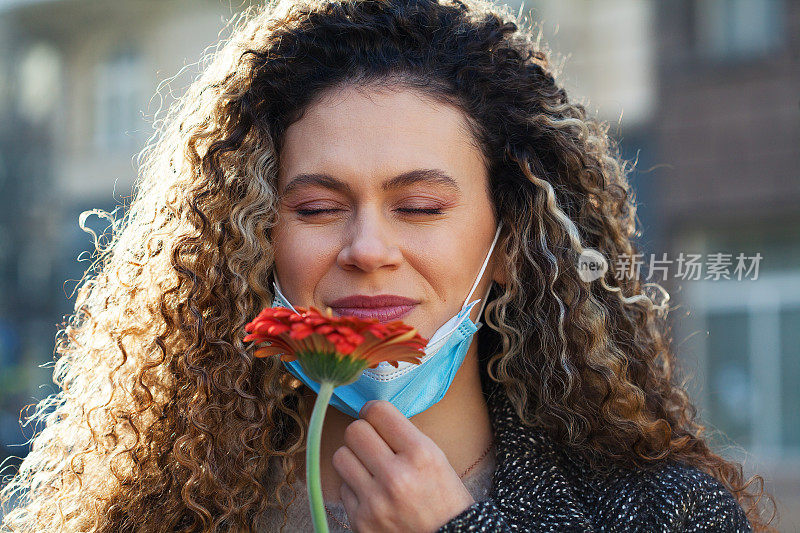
(702, 94)
(708, 95)
(78, 99)
(728, 136)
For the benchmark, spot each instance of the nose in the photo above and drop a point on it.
(369, 244)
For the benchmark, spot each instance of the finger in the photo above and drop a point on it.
(370, 448)
(395, 429)
(350, 501)
(352, 472)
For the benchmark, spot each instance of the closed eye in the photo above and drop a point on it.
(430, 211)
(309, 212)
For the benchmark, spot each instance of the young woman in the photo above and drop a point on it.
(403, 159)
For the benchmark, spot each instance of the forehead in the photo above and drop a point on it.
(365, 136)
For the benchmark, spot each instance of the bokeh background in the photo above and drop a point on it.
(704, 95)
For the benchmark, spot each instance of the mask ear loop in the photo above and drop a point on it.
(279, 291)
(480, 274)
(480, 312)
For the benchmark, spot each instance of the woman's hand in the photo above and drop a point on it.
(394, 477)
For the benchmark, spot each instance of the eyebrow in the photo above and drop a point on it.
(431, 176)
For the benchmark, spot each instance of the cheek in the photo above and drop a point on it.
(439, 256)
(302, 257)
(458, 259)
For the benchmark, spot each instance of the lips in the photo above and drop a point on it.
(384, 307)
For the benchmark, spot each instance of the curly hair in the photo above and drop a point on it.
(163, 406)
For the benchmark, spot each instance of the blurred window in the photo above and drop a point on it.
(790, 377)
(751, 360)
(39, 79)
(737, 29)
(119, 98)
(730, 386)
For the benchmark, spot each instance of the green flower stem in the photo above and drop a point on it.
(313, 481)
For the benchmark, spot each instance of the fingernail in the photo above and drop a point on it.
(364, 407)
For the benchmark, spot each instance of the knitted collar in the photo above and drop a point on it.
(529, 479)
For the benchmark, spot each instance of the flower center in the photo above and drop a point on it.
(327, 367)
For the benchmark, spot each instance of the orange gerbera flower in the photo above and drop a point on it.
(329, 348)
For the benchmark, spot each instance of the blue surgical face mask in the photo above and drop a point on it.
(411, 387)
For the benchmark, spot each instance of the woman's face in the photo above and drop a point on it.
(382, 193)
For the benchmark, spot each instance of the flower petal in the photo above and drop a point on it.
(350, 342)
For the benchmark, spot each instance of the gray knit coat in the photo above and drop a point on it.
(539, 486)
